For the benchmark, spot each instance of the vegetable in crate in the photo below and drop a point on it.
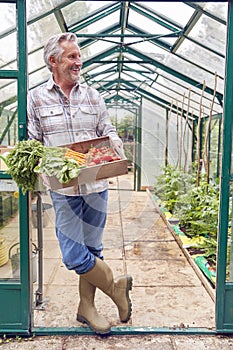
(30, 157)
(21, 161)
(101, 155)
(56, 163)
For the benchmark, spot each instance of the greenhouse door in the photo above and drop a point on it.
(15, 305)
(224, 293)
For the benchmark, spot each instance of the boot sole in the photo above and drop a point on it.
(128, 288)
(97, 331)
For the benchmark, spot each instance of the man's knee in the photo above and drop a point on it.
(75, 256)
(81, 263)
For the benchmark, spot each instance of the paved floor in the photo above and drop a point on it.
(166, 292)
(149, 342)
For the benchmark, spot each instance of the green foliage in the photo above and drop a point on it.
(196, 206)
(125, 127)
(199, 210)
(171, 185)
(21, 162)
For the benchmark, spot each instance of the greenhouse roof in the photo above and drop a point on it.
(171, 53)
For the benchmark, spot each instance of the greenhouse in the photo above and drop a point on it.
(164, 71)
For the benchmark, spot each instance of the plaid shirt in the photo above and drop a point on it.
(56, 120)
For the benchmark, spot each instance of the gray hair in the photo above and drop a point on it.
(53, 48)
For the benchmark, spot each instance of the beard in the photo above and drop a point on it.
(75, 75)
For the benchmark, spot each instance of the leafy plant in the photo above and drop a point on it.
(199, 210)
(196, 206)
(171, 185)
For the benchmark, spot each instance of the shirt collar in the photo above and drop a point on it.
(51, 83)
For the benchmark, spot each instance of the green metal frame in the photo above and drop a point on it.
(19, 295)
(16, 296)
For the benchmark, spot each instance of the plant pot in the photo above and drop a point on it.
(173, 221)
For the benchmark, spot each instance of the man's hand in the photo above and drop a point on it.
(117, 145)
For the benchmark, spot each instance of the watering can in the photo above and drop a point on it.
(14, 257)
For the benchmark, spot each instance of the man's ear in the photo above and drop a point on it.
(52, 61)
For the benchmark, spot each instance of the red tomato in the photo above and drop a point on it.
(107, 158)
(96, 160)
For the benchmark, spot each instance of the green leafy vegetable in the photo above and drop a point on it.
(21, 162)
(55, 164)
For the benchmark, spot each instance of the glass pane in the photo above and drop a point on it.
(35, 60)
(9, 230)
(215, 146)
(7, 17)
(38, 77)
(210, 33)
(178, 11)
(98, 47)
(8, 52)
(40, 31)
(8, 35)
(218, 9)
(8, 112)
(154, 141)
(179, 92)
(37, 7)
(138, 19)
(76, 11)
(101, 24)
(202, 57)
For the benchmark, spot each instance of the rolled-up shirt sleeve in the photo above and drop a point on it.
(33, 122)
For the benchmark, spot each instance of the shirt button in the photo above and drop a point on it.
(51, 112)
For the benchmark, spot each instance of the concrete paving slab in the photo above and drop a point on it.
(50, 343)
(163, 273)
(135, 343)
(60, 307)
(113, 253)
(157, 232)
(172, 307)
(113, 219)
(154, 251)
(64, 276)
(51, 249)
(134, 229)
(203, 343)
(50, 270)
(131, 208)
(48, 233)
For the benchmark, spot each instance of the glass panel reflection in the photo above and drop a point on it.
(9, 230)
(8, 115)
(8, 35)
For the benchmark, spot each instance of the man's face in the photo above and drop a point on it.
(67, 68)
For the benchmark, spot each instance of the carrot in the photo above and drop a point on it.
(80, 158)
(75, 153)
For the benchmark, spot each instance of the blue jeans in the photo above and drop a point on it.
(80, 222)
